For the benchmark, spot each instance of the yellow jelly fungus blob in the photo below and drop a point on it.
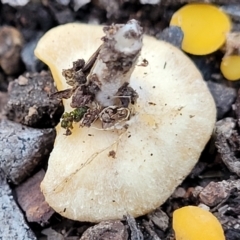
(194, 223)
(204, 27)
(230, 67)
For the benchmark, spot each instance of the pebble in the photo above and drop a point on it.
(32, 63)
(111, 7)
(227, 142)
(79, 3)
(13, 225)
(3, 101)
(233, 10)
(150, 2)
(29, 102)
(232, 234)
(204, 206)
(63, 2)
(22, 149)
(179, 193)
(11, 42)
(113, 230)
(32, 201)
(196, 191)
(214, 193)
(159, 218)
(15, 3)
(173, 35)
(224, 97)
(64, 16)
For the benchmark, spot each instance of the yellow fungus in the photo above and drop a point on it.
(204, 27)
(230, 67)
(194, 223)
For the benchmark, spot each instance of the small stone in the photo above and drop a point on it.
(32, 201)
(232, 10)
(179, 193)
(236, 107)
(15, 3)
(29, 102)
(111, 7)
(113, 230)
(173, 35)
(79, 3)
(203, 206)
(63, 2)
(135, 231)
(22, 149)
(34, 17)
(13, 225)
(214, 193)
(11, 42)
(232, 234)
(150, 2)
(227, 142)
(196, 191)
(22, 81)
(3, 102)
(64, 16)
(150, 229)
(54, 235)
(159, 218)
(208, 65)
(224, 97)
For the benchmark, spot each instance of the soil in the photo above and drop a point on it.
(213, 182)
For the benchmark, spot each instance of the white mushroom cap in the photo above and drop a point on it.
(175, 116)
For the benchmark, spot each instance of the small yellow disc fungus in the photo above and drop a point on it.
(194, 223)
(204, 27)
(230, 67)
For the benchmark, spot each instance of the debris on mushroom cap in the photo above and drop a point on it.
(96, 175)
(204, 26)
(195, 223)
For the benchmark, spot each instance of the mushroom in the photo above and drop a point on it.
(100, 174)
(204, 26)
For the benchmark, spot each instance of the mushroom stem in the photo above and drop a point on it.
(116, 60)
